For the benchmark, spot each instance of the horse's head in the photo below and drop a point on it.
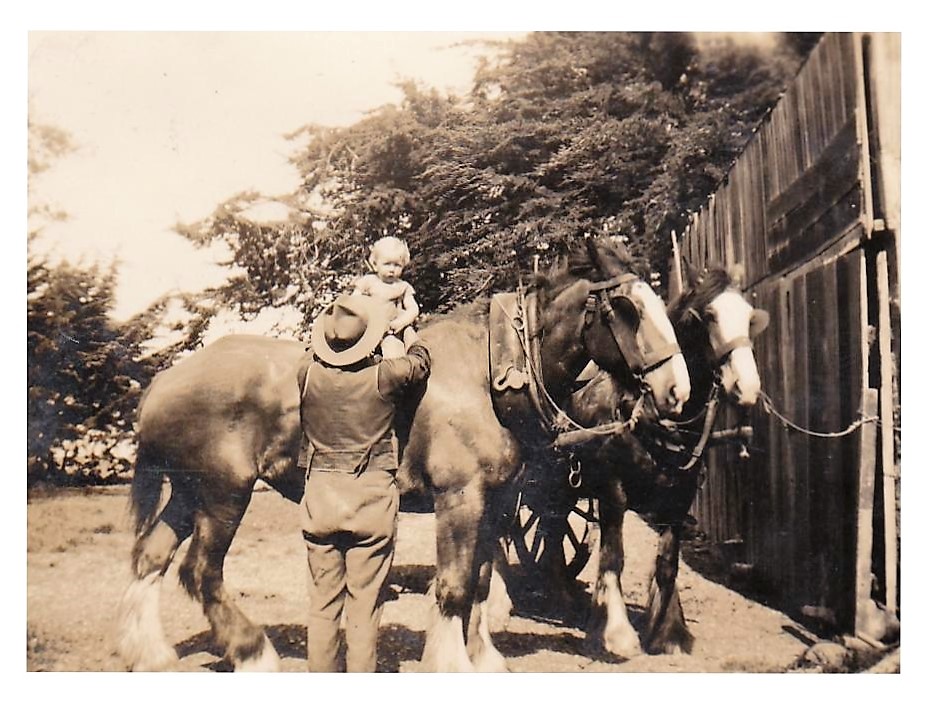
(624, 326)
(716, 302)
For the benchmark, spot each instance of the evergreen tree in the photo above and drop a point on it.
(566, 134)
(84, 377)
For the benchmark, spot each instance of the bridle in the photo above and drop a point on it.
(721, 353)
(600, 297)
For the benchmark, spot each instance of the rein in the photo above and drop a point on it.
(708, 412)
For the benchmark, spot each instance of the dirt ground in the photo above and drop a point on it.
(78, 565)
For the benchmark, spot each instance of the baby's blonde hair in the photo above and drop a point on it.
(389, 244)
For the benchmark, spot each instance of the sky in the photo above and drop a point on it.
(168, 125)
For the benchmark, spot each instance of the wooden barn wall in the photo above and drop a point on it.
(793, 210)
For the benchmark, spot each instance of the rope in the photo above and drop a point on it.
(769, 406)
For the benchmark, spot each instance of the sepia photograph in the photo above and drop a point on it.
(532, 351)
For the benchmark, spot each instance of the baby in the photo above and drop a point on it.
(389, 256)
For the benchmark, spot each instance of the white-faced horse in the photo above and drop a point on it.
(656, 470)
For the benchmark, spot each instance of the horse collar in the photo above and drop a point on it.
(528, 306)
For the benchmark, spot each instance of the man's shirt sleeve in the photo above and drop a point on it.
(397, 375)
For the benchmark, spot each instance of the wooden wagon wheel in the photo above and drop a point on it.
(548, 541)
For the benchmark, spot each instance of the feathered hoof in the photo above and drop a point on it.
(681, 644)
(622, 643)
(157, 658)
(141, 642)
(266, 660)
(490, 661)
(499, 605)
(445, 651)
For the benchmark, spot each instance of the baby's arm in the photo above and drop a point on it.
(410, 310)
(361, 286)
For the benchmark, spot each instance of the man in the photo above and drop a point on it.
(351, 500)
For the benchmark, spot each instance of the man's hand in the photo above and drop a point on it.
(410, 337)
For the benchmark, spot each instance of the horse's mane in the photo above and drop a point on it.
(475, 311)
(710, 284)
(578, 263)
(692, 330)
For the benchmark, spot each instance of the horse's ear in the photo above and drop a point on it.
(758, 323)
(737, 276)
(691, 275)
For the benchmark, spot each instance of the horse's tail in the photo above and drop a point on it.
(145, 494)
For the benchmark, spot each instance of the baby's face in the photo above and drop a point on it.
(388, 266)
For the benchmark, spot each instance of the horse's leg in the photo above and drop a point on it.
(458, 517)
(481, 649)
(499, 603)
(666, 632)
(554, 508)
(142, 643)
(245, 644)
(609, 627)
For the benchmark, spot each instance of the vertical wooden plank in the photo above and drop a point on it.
(818, 409)
(759, 201)
(857, 449)
(796, 402)
(772, 348)
(768, 167)
(864, 171)
(846, 48)
(818, 90)
(777, 388)
(840, 88)
(794, 138)
(885, 122)
(838, 517)
(888, 477)
(725, 253)
(836, 80)
(865, 527)
(801, 128)
(735, 214)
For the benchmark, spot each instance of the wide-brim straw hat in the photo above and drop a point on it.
(350, 329)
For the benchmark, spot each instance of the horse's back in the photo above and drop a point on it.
(239, 384)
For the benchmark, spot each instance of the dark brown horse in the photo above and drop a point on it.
(656, 470)
(227, 416)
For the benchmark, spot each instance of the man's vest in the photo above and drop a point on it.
(346, 422)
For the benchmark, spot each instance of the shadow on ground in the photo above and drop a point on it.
(411, 578)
